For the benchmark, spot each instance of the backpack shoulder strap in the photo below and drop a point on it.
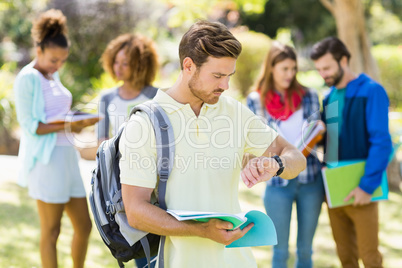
(165, 154)
(164, 143)
(165, 151)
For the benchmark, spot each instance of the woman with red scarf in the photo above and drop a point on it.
(289, 108)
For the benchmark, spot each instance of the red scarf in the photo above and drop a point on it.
(279, 108)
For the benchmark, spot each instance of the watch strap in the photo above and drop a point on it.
(281, 167)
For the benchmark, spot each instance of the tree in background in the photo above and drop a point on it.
(352, 30)
(312, 20)
(15, 29)
(351, 27)
(92, 25)
(308, 20)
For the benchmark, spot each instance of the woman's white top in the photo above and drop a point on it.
(58, 100)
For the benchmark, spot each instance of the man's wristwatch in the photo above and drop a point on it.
(281, 167)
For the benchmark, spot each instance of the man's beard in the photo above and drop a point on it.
(194, 86)
(338, 77)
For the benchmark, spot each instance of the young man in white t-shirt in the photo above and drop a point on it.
(212, 133)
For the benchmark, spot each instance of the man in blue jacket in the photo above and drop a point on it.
(356, 115)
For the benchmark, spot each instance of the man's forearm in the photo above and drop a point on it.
(152, 219)
(142, 215)
(293, 160)
(294, 163)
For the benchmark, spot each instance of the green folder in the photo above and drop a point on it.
(341, 180)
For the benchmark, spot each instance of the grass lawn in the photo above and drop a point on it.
(19, 232)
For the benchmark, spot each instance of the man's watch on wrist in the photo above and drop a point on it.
(281, 167)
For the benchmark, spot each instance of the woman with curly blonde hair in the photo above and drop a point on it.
(49, 159)
(133, 60)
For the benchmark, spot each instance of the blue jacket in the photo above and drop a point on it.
(364, 132)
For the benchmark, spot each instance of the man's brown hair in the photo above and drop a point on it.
(205, 39)
(331, 45)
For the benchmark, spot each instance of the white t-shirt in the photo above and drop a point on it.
(116, 110)
(58, 100)
(291, 128)
(119, 109)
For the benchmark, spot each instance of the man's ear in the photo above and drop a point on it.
(344, 61)
(188, 65)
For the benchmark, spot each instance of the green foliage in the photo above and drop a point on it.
(91, 100)
(105, 81)
(184, 13)
(15, 18)
(8, 118)
(389, 62)
(7, 108)
(91, 28)
(92, 24)
(311, 79)
(394, 6)
(255, 47)
(385, 27)
(251, 6)
(308, 20)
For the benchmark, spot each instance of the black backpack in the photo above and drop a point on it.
(125, 242)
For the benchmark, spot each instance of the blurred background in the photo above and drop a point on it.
(372, 30)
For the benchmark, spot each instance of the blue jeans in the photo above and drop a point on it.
(278, 203)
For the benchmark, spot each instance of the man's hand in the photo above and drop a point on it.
(219, 231)
(259, 169)
(361, 197)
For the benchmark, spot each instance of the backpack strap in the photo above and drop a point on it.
(165, 153)
(145, 246)
(164, 144)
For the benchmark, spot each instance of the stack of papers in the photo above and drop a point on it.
(263, 232)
